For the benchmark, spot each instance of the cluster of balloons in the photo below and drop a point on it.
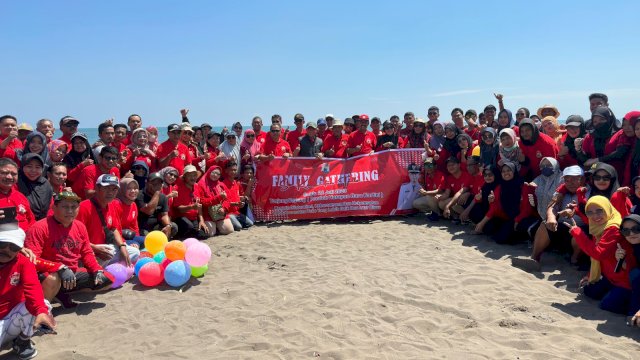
(172, 261)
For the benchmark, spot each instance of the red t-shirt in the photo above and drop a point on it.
(455, 184)
(293, 137)
(51, 241)
(185, 196)
(24, 216)
(67, 140)
(261, 136)
(367, 141)
(233, 194)
(276, 148)
(87, 179)
(18, 283)
(433, 182)
(179, 162)
(128, 215)
(476, 183)
(88, 215)
(337, 144)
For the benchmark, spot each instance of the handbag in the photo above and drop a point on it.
(214, 212)
(109, 236)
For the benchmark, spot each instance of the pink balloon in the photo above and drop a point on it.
(198, 255)
(190, 241)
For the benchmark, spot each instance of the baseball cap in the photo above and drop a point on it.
(575, 120)
(311, 124)
(66, 195)
(155, 176)
(574, 170)
(173, 127)
(107, 180)
(349, 121)
(364, 117)
(186, 127)
(188, 169)
(25, 126)
(320, 121)
(375, 118)
(204, 125)
(329, 116)
(337, 122)
(68, 120)
(453, 159)
(15, 237)
(80, 135)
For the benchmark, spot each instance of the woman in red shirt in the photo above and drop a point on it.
(213, 195)
(127, 210)
(236, 198)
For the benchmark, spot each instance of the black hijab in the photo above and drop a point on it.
(569, 142)
(613, 184)
(535, 132)
(74, 158)
(489, 153)
(451, 145)
(44, 154)
(602, 133)
(39, 192)
(632, 194)
(636, 219)
(511, 192)
(486, 189)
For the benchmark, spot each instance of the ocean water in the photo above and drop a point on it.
(92, 133)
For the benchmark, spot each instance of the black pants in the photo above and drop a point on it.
(502, 231)
(188, 228)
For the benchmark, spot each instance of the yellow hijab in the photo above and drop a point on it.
(596, 230)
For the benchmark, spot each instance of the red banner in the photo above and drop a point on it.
(366, 185)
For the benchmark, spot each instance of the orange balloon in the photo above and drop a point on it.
(175, 250)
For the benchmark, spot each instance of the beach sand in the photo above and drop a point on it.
(353, 289)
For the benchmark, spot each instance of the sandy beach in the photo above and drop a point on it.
(358, 289)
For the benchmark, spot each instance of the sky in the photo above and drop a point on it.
(230, 61)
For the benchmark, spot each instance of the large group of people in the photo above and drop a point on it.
(69, 208)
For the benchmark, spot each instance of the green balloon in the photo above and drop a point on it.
(159, 257)
(199, 271)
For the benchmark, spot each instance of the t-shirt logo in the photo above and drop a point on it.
(14, 280)
(183, 157)
(368, 141)
(283, 149)
(22, 209)
(343, 142)
(109, 220)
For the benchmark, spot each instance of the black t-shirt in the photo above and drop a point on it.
(143, 199)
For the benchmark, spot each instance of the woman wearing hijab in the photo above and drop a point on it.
(170, 176)
(231, 147)
(509, 149)
(79, 157)
(213, 197)
(236, 198)
(489, 147)
(505, 121)
(35, 143)
(480, 204)
(546, 184)
(249, 147)
(449, 147)
(630, 229)
(127, 209)
(551, 127)
(632, 167)
(139, 150)
(510, 216)
(634, 195)
(567, 154)
(465, 143)
(33, 185)
(604, 283)
(601, 145)
(534, 146)
(436, 141)
(389, 139)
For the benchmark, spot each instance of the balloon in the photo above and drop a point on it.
(145, 254)
(159, 257)
(150, 274)
(155, 241)
(165, 263)
(175, 250)
(476, 151)
(140, 263)
(190, 241)
(119, 273)
(130, 271)
(198, 254)
(177, 273)
(198, 271)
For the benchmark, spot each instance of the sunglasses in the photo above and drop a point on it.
(601, 178)
(250, 136)
(596, 212)
(487, 174)
(274, 131)
(628, 231)
(136, 168)
(237, 128)
(487, 136)
(418, 125)
(12, 247)
(432, 113)
(73, 125)
(110, 158)
(519, 114)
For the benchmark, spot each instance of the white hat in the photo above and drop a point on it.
(15, 237)
(574, 170)
(188, 169)
(329, 115)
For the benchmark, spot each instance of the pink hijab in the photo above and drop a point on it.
(254, 148)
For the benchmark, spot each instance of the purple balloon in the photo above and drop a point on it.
(119, 273)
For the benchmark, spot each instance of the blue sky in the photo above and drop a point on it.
(229, 61)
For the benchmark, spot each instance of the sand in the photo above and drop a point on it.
(361, 289)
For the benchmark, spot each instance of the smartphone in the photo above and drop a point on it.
(9, 215)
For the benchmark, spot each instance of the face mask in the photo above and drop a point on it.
(547, 171)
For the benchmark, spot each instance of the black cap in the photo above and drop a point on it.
(155, 176)
(575, 120)
(173, 127)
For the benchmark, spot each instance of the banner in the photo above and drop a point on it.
(383, 183)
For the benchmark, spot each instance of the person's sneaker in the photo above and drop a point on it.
(433, 217)
(24, 348)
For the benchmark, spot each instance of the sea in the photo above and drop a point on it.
(92, 133)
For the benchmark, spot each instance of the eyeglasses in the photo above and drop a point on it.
(188, 133)
(172, 175)
(72, 125)
(519, 114)
(110, 158)
(418, 125)
(601, 178)
(488, 174)
(250, 136)
(487, 136)
(12, 247)
(596, 212)
(627, 231)
(274, 131)
(432, 113)
(237, 128)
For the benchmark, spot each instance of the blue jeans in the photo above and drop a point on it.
(240, 222)
(612, 298)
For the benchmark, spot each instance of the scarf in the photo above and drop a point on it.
(487, 188)
(74, 158)
(39, 192)
(416, 141)
(254, 147)
(613, 184)
(511, 192)
(142, 180)
(44, 154)
(231, 151)
(489, 153)
(167, 170)
(636, 219)
(122, 191)
(603, 132)
(436, 142)
(384, 138)
(509, 115)
(511, 153)
(596, 230)
(209, 187)
(546, 186)
(451, 145)
(534, 135)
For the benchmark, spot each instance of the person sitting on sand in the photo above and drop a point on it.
(153, 208)
(65, 260)
(630, 229)
(186, 210)
(22, 304)
(216, 203)
(237, 200)
(443, 198)
(477, 209)
(605, 282)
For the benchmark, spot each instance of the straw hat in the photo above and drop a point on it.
(550, 107)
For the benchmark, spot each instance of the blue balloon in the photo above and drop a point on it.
(177, 273)
(140, 263)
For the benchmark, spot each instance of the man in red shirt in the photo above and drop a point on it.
(335, 145)
(9, 134)
(172, 152)
(433, 113)
(186, 210)
(45, 127)
(409, 118)
(256, 125)
(60, 243)
(322, 125)
(134, 122)
(376, 126)
(22, 304)
(454, 184)
(100, 216)
(293, 137)
(119, 136)
(68, 126)
(84, 185)
(362, 141)
(11, 198)
(274, 146)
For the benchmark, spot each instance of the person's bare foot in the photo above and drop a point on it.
(527, 264)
